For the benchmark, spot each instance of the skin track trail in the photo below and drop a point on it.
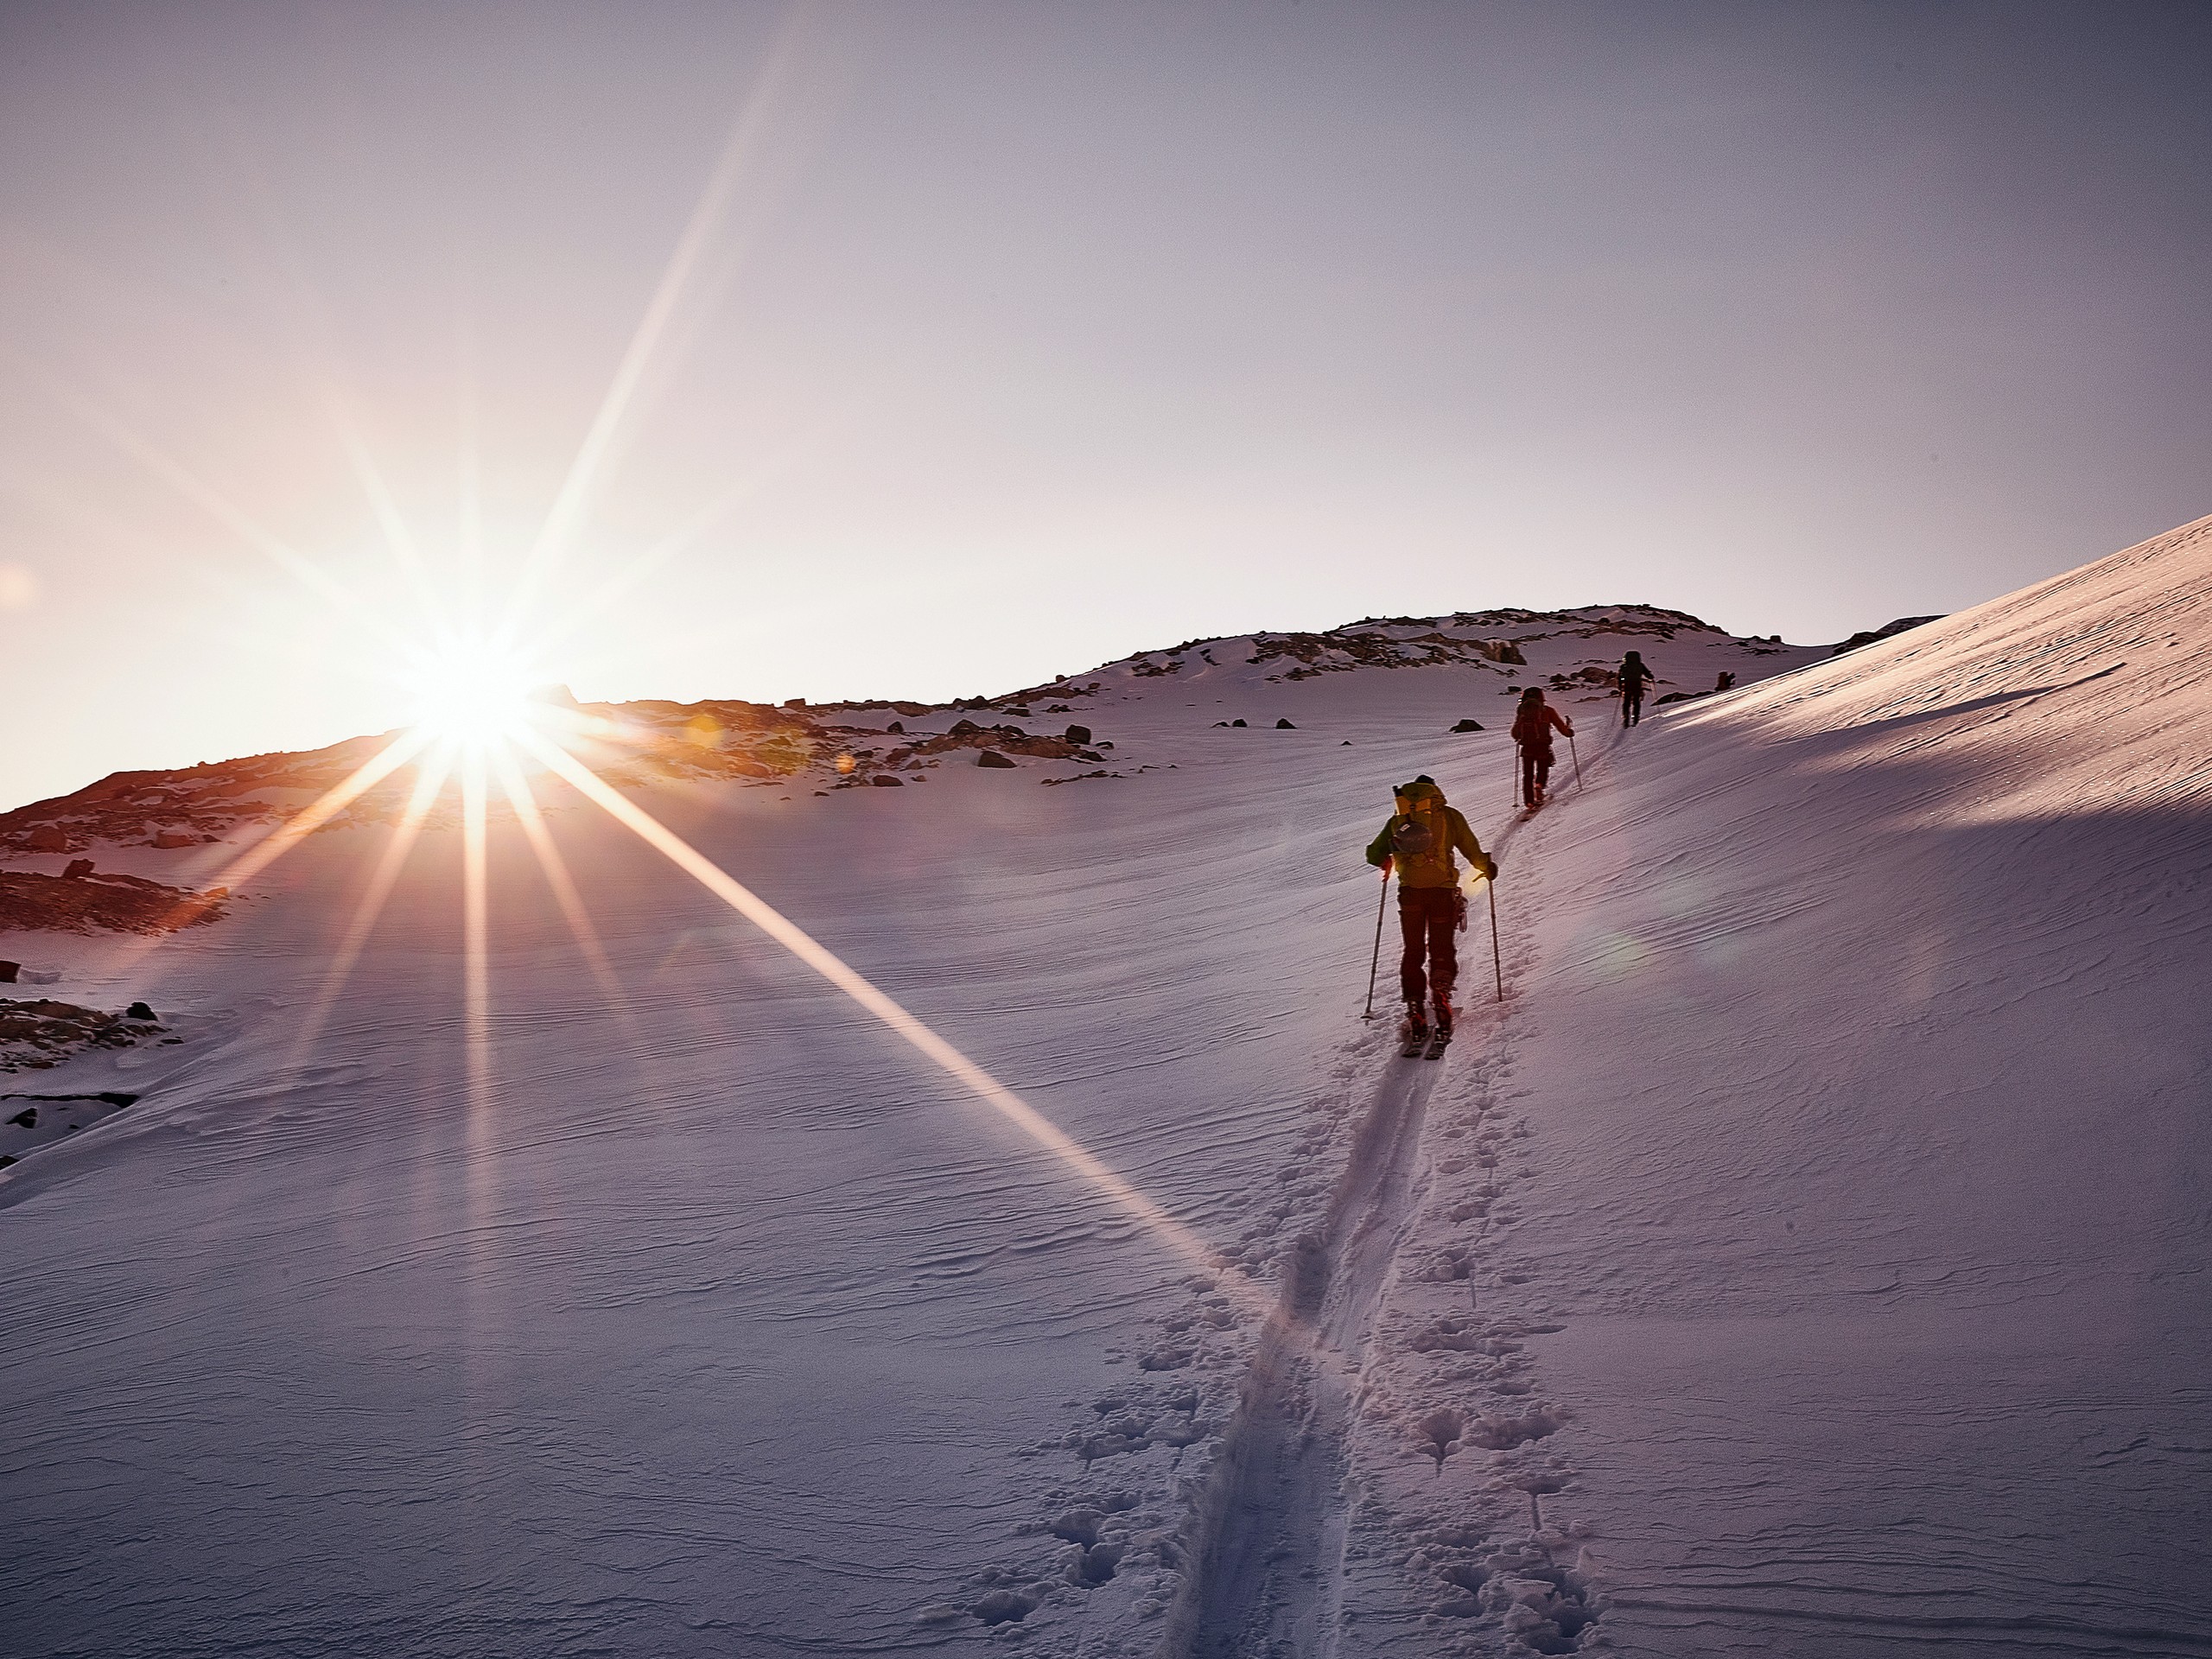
(1268, 1578)
(1270, 1536)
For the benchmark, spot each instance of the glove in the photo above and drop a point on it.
(1490, 867)
(1388, 861)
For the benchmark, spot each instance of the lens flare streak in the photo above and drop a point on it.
(311, 817)
(516, 788)
(911, 1030)
(427, 782)
(217, 506)
(755, 118)
(476, 990)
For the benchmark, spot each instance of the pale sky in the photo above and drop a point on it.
(960, 345)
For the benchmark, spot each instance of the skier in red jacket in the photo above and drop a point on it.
(1532, 725)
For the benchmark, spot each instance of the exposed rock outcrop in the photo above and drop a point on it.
(96, 903)
(1867, 637)
(42, 1033)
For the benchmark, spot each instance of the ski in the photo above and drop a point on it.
(1415, 1045)
(1438, 1042)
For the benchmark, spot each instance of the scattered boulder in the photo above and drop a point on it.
(1078, 733)
(1725, 682)
(26, 1119)
(885, 780)
(76, 868)
(168, 840)
(1236, 722)
(898, 726)
(138, 1011)
(1001, 740)
(1285, 726)
(9, 970)
(961, 729)
(45, 838)
(1468, 726)
(993, 758)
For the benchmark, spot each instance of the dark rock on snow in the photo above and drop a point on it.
(1871, 635)
(992, 758)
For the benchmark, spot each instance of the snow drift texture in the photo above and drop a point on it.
(1808, 1257)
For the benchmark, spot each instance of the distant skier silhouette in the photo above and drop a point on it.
(1418, 842)
(1635, 676)
(1532, 725)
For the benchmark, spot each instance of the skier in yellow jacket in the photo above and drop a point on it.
(1418, 842)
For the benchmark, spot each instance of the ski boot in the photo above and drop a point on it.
(1416, 1035)
(1440, 1037)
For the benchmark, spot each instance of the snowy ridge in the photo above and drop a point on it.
(1826, 1195)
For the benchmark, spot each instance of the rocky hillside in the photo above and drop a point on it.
(852, 744)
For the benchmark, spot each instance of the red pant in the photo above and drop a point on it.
(1536, 770)
(1428, 917)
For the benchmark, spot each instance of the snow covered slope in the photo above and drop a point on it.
(1842, 1168)
(695, 1315)
(1865, 1041)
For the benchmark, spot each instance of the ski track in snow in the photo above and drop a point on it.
(1694, 1303)
(1271, 1556)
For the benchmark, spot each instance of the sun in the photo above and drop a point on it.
(471, 691)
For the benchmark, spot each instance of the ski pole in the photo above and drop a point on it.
(1577, 754)
(1497, 958)
(1378, 961)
